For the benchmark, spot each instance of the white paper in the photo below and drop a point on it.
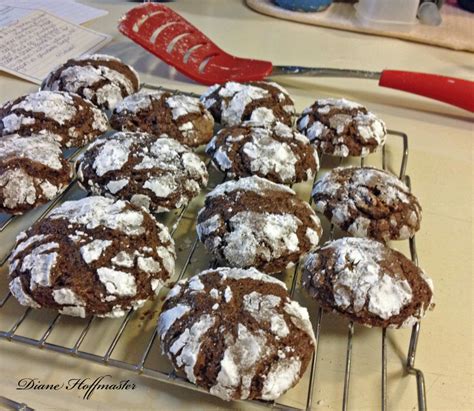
(69, 10)
(32, 46)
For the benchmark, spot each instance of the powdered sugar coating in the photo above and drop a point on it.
(98, 211)
(94, 256)
(366, 280)
(57, 106)
(102, 79)
(341, 127)
(254, 222)
(253, 234)
(254, 183)
(154, 173)
(231, 102)
(275, 152)
(33, 172)
(368, 202)
(138, 101)
(69, 119)
(263, 343)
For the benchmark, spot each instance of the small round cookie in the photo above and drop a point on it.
(276, 153)
(340, 127)
(258, 101)
(253, 222)
(102, 79)
(158, 174)
(236, 333)
(94, 256)
(72, 120)
(160, 112)
(368, 283)
(32, 172)
(368, 202)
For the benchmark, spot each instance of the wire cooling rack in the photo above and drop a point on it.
(131, 343)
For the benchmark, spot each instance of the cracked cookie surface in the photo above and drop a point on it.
(340, 127)
(71, 120)
(253, 222)
(368, 202)
(236, 333)
(368, 282)
(93, 256)
(181, 117)
(276, 153)
(158, 174)
(102, 79)
(257, 101)
(33, 171)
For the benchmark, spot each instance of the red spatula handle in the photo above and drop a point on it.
(450, 90)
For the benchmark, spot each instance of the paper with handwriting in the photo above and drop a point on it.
(30, 47)
(69, 10)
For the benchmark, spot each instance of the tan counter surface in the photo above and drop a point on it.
(441, 169)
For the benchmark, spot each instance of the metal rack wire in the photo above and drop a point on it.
(140, 367)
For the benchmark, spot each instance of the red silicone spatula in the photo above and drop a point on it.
(174, 40)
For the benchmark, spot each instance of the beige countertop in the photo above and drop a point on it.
(441, 168)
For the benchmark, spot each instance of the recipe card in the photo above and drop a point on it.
(31, 46)
(69, 10)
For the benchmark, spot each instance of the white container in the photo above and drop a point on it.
(387, 14)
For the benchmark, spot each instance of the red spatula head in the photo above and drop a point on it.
(174, 40)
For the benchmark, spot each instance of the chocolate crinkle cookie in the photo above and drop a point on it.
(277, 153)
(253, 222)
(102, 79)
(368, 202)
(258, 101)
(160, 112)
(236, 333)
(71, 120)
(158, 174)
(340, 127)
(368, 283)
(94, 256)
(32, 172)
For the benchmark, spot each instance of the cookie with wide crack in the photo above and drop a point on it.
(368, 282)
(104, 80)
(71, 120)
(236, 333)
(276, 153)
(253, 222)
(180, 117)
(33, 171)
(368, 202)
(94, 256)
(340, 127)
(158, 174)
(258, 101)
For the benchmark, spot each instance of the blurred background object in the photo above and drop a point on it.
(467, 5)
(429, 12)
(304, 5)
